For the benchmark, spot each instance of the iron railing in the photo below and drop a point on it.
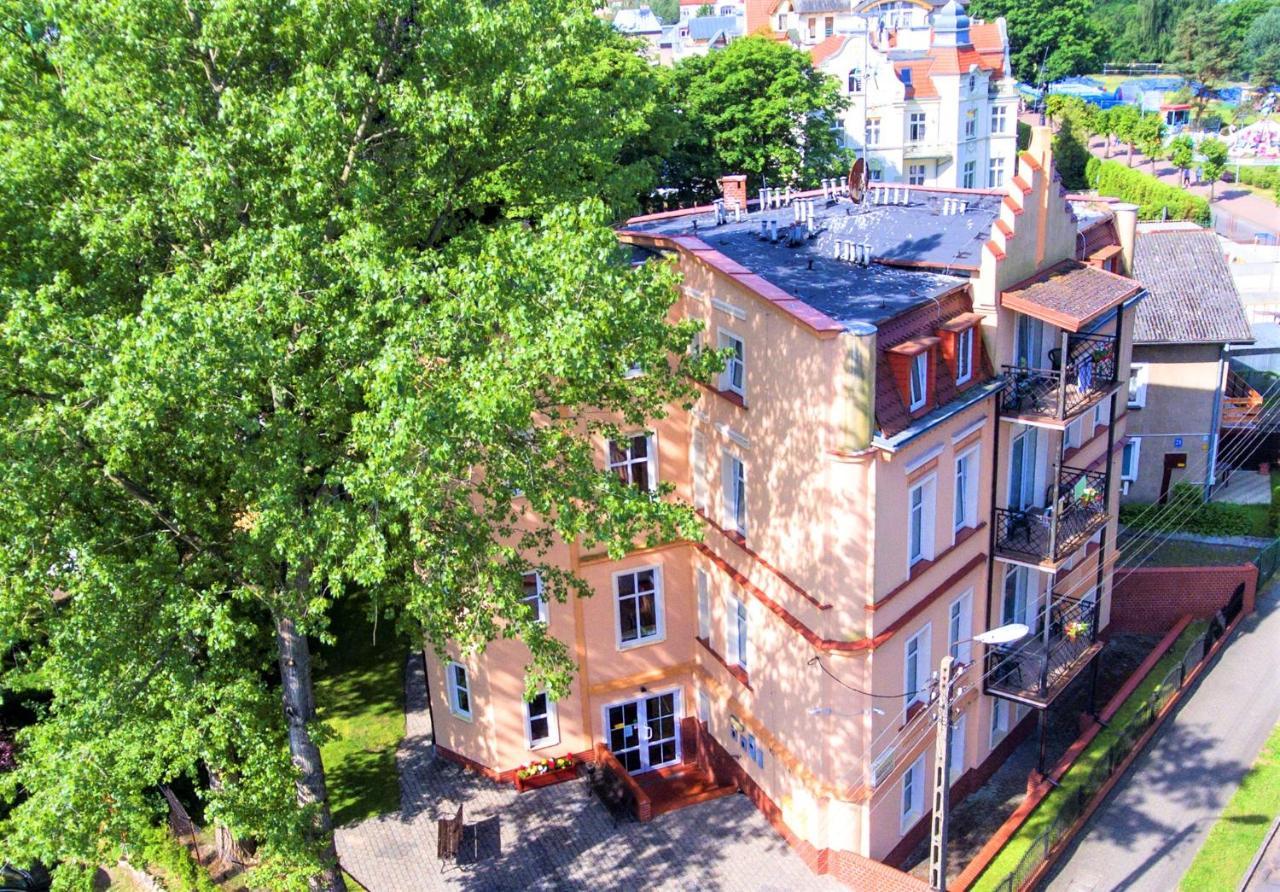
(1041, 535)
(1060, 392)
(1081, 792)
(1037, 670)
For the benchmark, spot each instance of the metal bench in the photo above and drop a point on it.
(449, 838)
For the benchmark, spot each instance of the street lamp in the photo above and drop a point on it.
(1006, 634)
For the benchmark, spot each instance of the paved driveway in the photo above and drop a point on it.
(1148, 831)
(559, 837)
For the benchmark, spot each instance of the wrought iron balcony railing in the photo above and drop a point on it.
(1034, 670)
(1062, 391)
(1076, 511)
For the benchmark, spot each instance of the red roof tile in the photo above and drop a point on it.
(828, 48)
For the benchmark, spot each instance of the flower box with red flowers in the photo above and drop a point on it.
(545, 772)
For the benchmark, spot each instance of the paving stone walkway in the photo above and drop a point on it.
(556, 838)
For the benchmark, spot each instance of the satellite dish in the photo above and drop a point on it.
(1003, 634)
(857, 179)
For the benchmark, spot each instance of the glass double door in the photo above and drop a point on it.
(644, 733)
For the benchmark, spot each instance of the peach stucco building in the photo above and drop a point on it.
(876, 469)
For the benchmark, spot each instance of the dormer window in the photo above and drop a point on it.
(964, 356)
(919, 380)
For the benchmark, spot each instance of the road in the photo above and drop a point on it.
(1149, 829)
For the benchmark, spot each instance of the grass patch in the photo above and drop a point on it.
(1186, 512)
(360, 697)
(1174, 553)
(1235, 838)
(1076, 776)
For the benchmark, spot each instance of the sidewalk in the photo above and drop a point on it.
(1146, 834)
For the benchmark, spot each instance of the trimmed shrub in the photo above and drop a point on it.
(1185, 512)
(1154, 199)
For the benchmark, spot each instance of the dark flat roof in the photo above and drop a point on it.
(922, 252)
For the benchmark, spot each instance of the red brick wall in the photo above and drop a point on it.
(1149, 600)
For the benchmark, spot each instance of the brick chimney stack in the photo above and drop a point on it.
(733, 187)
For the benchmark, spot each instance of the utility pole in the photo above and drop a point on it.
(942, 777)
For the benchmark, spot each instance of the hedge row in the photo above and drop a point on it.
(1186, 512)
(1155, 200)
(1263, 177)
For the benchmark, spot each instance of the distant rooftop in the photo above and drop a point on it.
(918, 251)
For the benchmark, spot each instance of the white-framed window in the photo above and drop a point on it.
(999, 118)
(995, 173)
(737, 640)
(966, 507)
(531, 584)
(1075, 432)
(1016, 604)
(912, 794)
(855, 81)
(638, 599)
(973, 82)
(698, 459)
(829, 26)
(1129, 459)
(541, 725)
(704, 707)
(703, 584)
(635, 461)
(970, 122)
(967, 176)
(915, 127)
(734, 376)
(915, 666)
(873, 132)
(876, 173)
(915, 174)
(960, 627)
(1023, 461)
(1138, 385)
(735, 494)
(919, 380)
(459, 690)
(922, 502)
(999, 720)
(964, 354)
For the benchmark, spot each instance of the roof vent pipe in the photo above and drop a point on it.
(773, 229)
(720, 217)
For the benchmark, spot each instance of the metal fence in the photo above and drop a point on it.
(1267, 562)
(1078, 798)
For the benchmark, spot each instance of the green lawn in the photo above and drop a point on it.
(1234, 840)
(1076, 775)
(360, 697)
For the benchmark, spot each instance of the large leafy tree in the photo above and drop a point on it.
(297, 302)
(1049, 39)
(757, 107)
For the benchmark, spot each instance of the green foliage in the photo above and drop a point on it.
(758, 108)
(1024, 135)
(301, 303)
(1202, 48)
(1193, 515)
(179, 870)
(1070, 156)
(1213, 153)
(1262, 48)
(1050, 39)
(667, 10)
(1181, 151)
(1148, 136)
(1267, 177)
(1154, 198)
(705, 10)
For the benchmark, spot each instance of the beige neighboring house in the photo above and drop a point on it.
(1179, 373)
(916, 439)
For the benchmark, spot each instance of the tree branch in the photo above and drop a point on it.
(371, 103)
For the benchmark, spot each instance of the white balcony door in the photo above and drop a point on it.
(1029, 349)
(645, 733)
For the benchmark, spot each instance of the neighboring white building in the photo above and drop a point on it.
(689, 9)
(929, 106)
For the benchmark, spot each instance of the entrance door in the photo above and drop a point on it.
(1173, 461)
(1022, 470)
(644, 733)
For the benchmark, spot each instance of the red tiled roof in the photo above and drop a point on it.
(828, 48)
(1069, 294)
(986, 37)
(952, 60)
(921, 87)
(758, 14)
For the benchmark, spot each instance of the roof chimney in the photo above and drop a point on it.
(1126, 217)
(734, 188)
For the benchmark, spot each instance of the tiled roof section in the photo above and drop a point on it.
(985, 37)
(954, 60)
(1191, 295)
(828, 48)
(921, 87)
(892, 414)
(758, 13)
(808, 7)
(1070, 294)
(1098, 234)
(705, 28)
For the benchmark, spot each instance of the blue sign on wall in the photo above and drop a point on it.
(1177, 442)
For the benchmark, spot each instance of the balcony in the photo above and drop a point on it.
(1058, 393)
(1035, 670)
(1047, 536)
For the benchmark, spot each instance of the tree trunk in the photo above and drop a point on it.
(1131, 154)
(225, 848)
(300, 711)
